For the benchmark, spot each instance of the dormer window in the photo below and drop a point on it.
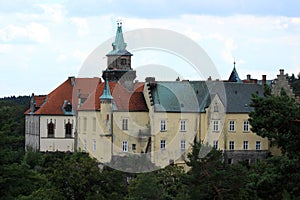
(68, 107)
(216, 108)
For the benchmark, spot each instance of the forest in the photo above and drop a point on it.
(35, 175)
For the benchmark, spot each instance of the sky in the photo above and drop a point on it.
(42, 43)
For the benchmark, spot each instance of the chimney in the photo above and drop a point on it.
(281, 71)
(248, 76)
(264, 79)
(72, 79)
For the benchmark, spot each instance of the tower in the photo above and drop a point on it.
(234, 77)
(119, 62)
(106, 105)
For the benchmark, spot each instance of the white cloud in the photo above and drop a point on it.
(38, 32)
(33, 32)
(53, 12)
(82, 26)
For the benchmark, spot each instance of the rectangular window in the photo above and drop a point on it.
(231, 125)
(84, 123)
(163, 125)
(229, 161)
(163, 144)
(51, 127)
(125, 124)
(216, 108)
(182, 145)
(133, 146)
(246, 126)
(231, 145)
(216, 125)
(94, 123)
(246, 144)
(68, 130)
(182, 125)
(215, 144)
(258, 145)
(93, 144)
(125, 146)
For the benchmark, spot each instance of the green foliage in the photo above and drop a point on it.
(145, 186)
(274, 117)
(210, 178)
(275, 178)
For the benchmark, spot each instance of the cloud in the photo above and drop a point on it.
(82, 26)
(23, 34)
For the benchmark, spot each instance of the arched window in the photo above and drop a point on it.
(68, 129)
(51, 127)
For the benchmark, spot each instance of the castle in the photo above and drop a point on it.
(119, 117)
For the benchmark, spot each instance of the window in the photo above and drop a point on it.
(258, 145)
(216, 108)
(51, 127)
(182, 125)
(94, 123)
(231, 125)
(163, 125)
(231, 145)
(215, 144)
(216, 125)
(182, 145)
(229, 161)
(84, 145)
(123, 61)
(93, 144)
(125, 124)
(125, 146)
(163, 144)
(68, 129)
(133, 146)
(246, 126)
(84, 123)
(246, 144)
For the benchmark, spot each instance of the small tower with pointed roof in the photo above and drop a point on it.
(106, 108)
(234, 76)
(119, 62)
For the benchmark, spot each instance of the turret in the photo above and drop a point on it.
(119, 62)
(106, 108)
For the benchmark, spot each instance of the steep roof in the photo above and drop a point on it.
(68, 91)
(119, 46)
(195, 96)
(123, 99)
(179, 96)
(234, 76)
(236, 96)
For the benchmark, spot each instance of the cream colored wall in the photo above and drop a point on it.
(239, 136)
(59, 142)
(172, 136)
(98, 129)
(208, 135)
(138, 123)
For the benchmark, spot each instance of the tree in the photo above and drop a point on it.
(211, 178)
(145, 186)
(276, 117)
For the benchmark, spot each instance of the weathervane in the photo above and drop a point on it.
(119, 22)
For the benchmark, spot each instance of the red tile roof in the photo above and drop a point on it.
(68, 90)
(124, 100)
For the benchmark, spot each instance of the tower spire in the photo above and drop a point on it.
(106, 95)
(234, 76)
